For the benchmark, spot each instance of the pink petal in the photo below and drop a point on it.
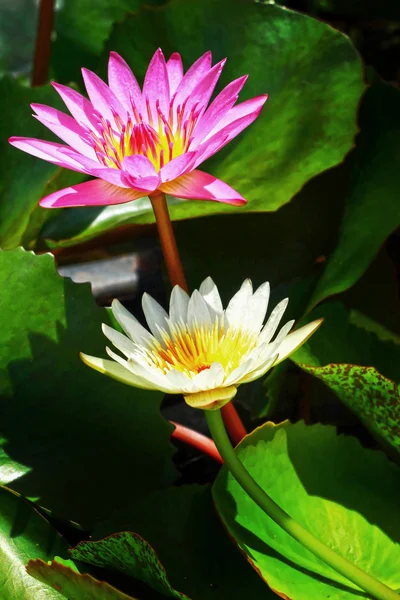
(90, 193)
(65, 127)
(114, 176)
(57, 154)
(123, 83)
(218, 108)
(79, 107)
(139, 166)
(156, 87)
(248, 108)
(195, 74)
(202, 93)
(175, 72)
(198, 185)
(209, 148)
(178, 166)
(219, 137)
(102, 98)
(141, 173)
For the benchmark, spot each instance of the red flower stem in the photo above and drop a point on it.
(41, 61)
(197, 440)
(176, 275)
(236, 428)
(168, 242)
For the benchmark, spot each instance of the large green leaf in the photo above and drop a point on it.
(130, 554)
(372, 210)
(310, 71)
(24, 535)
(81, 28)
(17, 35)
(73, 585)
(90, 442)
(345, 495)
(181, 525)
(24, 179)
(374, 398)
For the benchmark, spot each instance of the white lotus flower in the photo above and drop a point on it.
(200, 350)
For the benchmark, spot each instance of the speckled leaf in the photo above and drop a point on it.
(73, 585)
(372, 208)
(80, 434)
(345, 495)
(24, 535)
(130, 554)
(374, 398)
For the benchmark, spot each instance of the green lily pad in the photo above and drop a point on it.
(130, 554)
(73, 585)
(82, 435)
(24, 535)
(82, 27)
(345, 495)
(181, 525)
(372, 208)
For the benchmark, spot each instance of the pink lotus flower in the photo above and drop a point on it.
(138, 143)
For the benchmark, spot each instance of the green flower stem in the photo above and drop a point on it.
(367, 583)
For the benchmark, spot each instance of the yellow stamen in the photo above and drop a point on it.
(192, 350)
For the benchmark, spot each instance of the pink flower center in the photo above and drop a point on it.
(159, 139)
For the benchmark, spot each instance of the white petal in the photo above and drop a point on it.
(272, 324)
(198, 313)
(283, 332)
(235, 311)
(178, 305)
(130, 325)
(120, 341)
(153, 377)
(240, 371)
(210, 293)
(118, 358)
(115, 370)
(294, 340)
(256, 373)
(156, 316)
(258, 307)
(261, 353)
(209, 378)
(180, 381)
